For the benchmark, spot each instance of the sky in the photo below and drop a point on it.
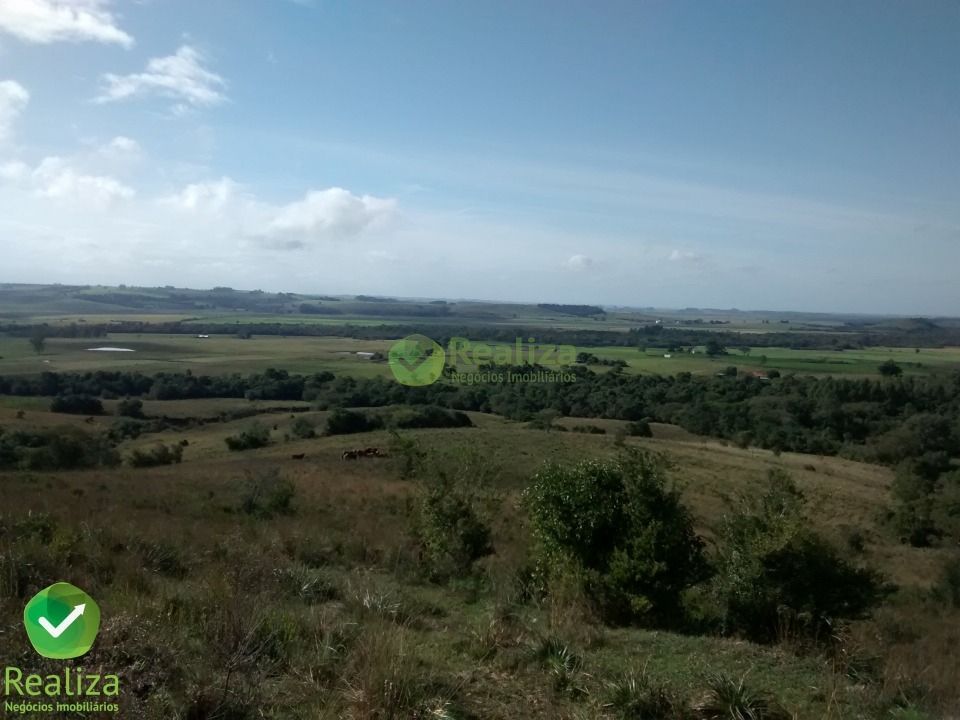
(753, 154)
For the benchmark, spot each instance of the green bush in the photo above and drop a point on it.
(346, 422)
(623, 529)
(727, 699)
(589, 429)
(775, 574)
(255, 436)
(637, 697)
(303, 428)
(452, 508)
(266, 493)
(77, 405)
(429, 416)
(158, 455)
(131, 407)
(63, 448)
(640, 428)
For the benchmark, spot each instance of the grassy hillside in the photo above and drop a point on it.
(317, 608)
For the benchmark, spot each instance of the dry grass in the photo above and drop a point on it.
(322, 614)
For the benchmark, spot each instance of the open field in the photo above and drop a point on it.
(221, 354)
(171, 553)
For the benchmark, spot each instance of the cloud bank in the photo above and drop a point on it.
(49, 21)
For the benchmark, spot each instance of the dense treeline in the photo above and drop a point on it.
(926, 335)
(909, 423)
(885, 419)
(269, 385)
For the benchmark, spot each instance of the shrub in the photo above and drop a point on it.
(303, 428)
(55, 449)
(407, 456)
(773, 569)
(451, 522)
(640, 428)
(345, 422)
(158, 455)
(131, 407)
(589, 429)
(429, 416)
(727, 699)
(266, 493)
(947, 589)
(637, 697)
(77, 405)
(255, 436)
(624, 531)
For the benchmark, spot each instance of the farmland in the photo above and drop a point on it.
(247, 570)
(169, 540)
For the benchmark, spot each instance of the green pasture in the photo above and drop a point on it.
(222, 354)
(216, 355)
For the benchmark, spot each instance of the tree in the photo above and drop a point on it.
(890, 369)
(130, 407)
(772, 569)
(714, 348)
(38, 342)
(622, 529)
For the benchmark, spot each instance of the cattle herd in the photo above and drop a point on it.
(363, 453)
(370, 452)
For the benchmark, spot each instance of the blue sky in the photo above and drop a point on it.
(775, 155)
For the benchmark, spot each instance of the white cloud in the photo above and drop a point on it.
(55, 178)
(181, 77)
(206, 196)
(685, 256)
(13, 99)
(121, 146)
(14, 171)
(578, 262)
(334, 213)
(48, 21)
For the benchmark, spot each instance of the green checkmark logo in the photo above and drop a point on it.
(417, 360)
(62, 621)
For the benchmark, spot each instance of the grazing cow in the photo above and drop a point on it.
(89, 421)
(350, 455)
(298, 456)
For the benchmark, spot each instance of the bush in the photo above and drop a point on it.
(452, 508)
(158, 455)
(255, 436)
(429, 416)
(624, 531)
(640, 428)
(773, 571)
(727, 699)
(131, 407)
(303, 428)
(266, 493)
(77, 405)
(346, 422)
(637, 697)
(589, 429)
(55, 449)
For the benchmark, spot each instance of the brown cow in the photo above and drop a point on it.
(298, 456)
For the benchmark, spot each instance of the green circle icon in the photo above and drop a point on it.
(417, 360)
(62, 621)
